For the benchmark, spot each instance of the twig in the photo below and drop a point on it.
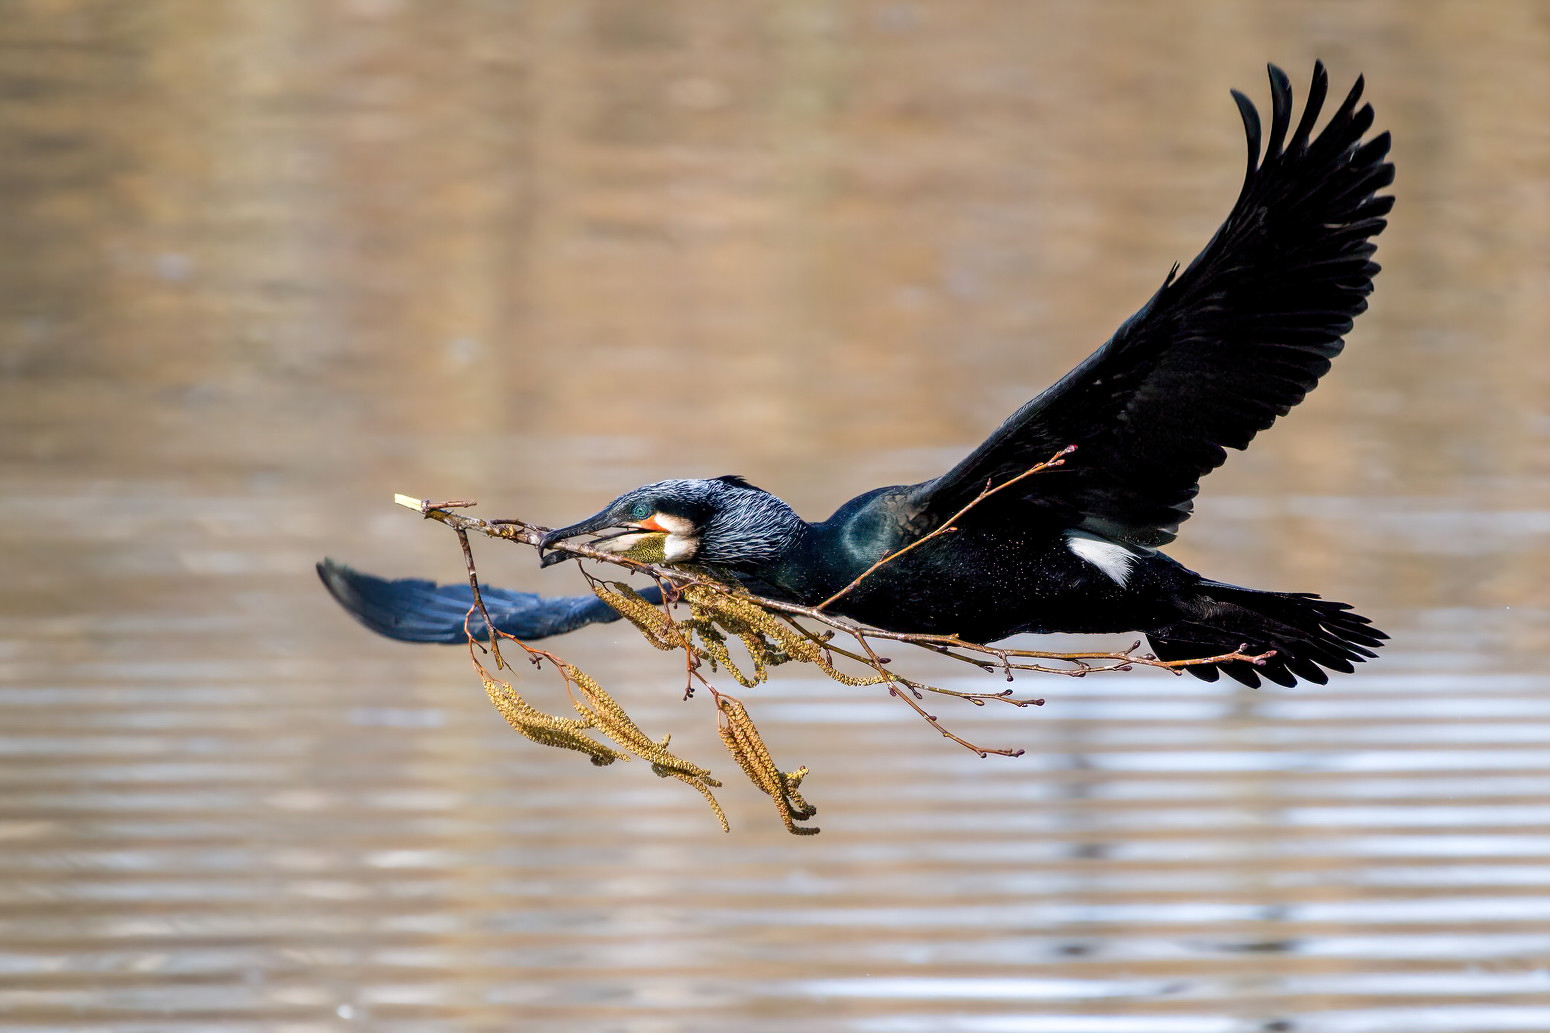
(473, 582)
(896, 687)
(516, 530)
(942, 643)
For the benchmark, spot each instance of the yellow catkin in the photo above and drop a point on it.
(757, 760)
(648, 548)
(849, 679)
(518, 709)
(708, 608)
(765, 652)
(769, 640)
(757, 648)
(547, 729)
(716, 612)
(747, 746)
(658, 628)
(774, 653)
(606, 712)
(602, 710)
(599, 754)
(670, 771)
(713, 647)
(793, 781)
(747, 681)
(732, 609)
(703, 785)
(671, 762)
(735, 748)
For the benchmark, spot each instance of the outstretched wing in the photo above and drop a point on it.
(1220, 350)
(416, 610)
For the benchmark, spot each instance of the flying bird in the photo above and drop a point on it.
(1220, 351)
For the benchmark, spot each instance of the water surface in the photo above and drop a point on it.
(265, 264)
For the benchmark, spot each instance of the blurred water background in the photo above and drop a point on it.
(265, 262)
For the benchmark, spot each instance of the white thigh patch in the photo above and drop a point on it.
(1114, 560)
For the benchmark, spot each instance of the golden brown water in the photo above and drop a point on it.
(265, 263)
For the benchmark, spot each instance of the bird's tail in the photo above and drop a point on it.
(1308, 634)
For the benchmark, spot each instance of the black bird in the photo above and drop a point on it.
(1220, 351)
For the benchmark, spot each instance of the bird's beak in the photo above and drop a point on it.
(600, 522)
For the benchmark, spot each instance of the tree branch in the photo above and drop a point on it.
(774, 632)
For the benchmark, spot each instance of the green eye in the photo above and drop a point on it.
(641, 511)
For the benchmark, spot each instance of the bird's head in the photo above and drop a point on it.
(723, 521)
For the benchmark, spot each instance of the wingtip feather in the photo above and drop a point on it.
(1251, 128)
(1318, 90)
(1280, 111)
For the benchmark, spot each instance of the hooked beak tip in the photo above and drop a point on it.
(546, 558)
(548, 540)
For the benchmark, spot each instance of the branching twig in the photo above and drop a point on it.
(521, 531)
(773, 632)
(473, 582)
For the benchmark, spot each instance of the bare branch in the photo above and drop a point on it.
(773, 632)
(473, 582)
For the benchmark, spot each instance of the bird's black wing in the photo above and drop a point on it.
(1220, 351)
(416, 610)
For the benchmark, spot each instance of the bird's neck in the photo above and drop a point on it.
(791, 559)
(755, 535)
(823, 560)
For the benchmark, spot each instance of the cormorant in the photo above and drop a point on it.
(1220, 351)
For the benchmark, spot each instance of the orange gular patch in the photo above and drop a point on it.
(650, 524)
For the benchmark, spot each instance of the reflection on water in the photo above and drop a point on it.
(267, 263)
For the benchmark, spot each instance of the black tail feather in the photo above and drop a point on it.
(1309, 635)
(416, 610)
